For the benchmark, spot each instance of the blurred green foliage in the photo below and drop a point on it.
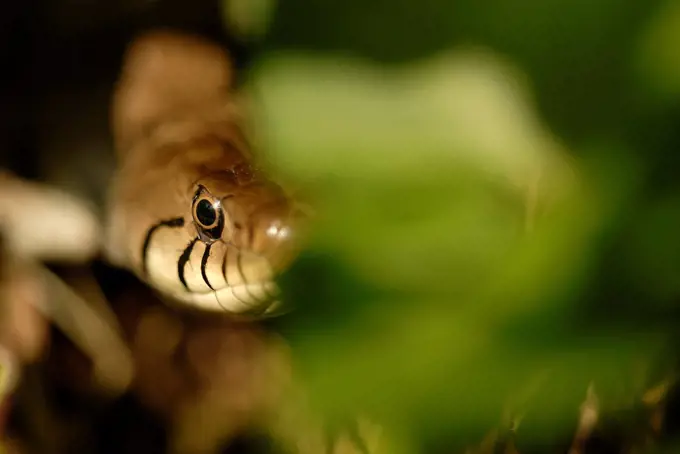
(497, 212)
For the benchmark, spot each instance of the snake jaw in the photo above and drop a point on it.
(235, 301)
(210, 276)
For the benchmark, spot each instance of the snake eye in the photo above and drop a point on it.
(208, 216)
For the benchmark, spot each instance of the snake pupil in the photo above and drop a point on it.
(205, 213)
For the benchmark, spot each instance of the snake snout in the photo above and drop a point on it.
(275, 233)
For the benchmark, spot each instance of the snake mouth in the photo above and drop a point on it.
(215, 276)
(257, 299)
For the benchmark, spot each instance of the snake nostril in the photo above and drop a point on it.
(278, 231)
(276, 236)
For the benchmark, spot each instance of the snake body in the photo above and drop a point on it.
(190, 212)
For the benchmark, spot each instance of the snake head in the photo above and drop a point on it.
(212, 239)
(246, 230)
(189, 212)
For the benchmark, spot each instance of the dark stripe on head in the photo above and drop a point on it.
(226, 279)
(224, 265)
(204, 262)
(181, 263)
(172, 223)
(239, 267)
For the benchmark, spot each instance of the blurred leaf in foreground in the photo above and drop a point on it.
(452, 243)
(249, 18)
(657, 54)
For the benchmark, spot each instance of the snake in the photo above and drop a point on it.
(190, 211)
